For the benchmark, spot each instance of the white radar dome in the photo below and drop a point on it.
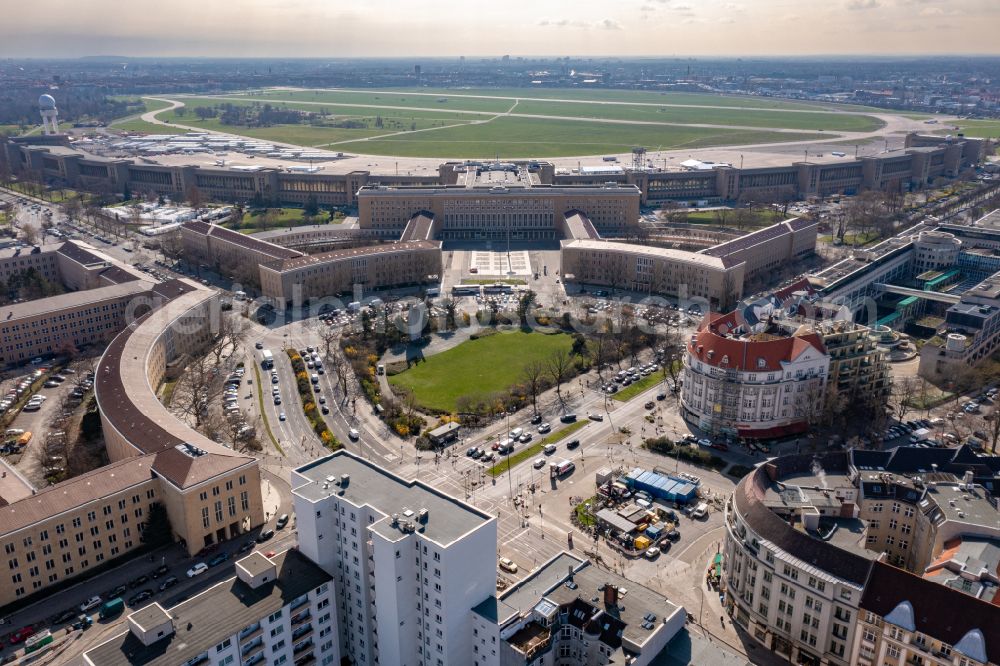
(46, 102)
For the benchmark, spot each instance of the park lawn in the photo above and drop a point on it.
(534, 449)
(367, 113)
(10, 130)
(300, 135)
(854, 239)
(710, 116)
(486, 365)
(635, 388)
(512, 137)
(283, 217)
(493, 281)
(761, 218)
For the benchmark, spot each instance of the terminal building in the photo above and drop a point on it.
(925, 159)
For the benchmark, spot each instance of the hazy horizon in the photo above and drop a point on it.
(433, 28)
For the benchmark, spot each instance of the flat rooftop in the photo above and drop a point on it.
(217, 613)
(683, 256)
(71, 299)
(972, 507)
(308, 260)
(525, 595)
(448, 518)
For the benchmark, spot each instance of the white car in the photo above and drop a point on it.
(90, 604)
(544, 428)
(539, 463)
(549, 449)
(197, 570)
(508, 565)
(353, 434)
(652, 553)
(281, 416)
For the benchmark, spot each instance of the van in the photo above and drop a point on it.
(700, 511)
(24, 439)
(14, 432)
(112, 608)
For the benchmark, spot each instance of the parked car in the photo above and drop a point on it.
(140, 597)
(218, 559)
(544, 428)
(197, 570)
(141, 580)
(508, 565)
(21, 635)
(652, 553)
(282, 521)
(168, 583)
(117, 592)
(265, 535)
(353, 434)
(539, 463)
(90, 604)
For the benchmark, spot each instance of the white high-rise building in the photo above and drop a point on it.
(409, 563)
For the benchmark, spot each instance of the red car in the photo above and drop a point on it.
(721, 446)
(22, 635)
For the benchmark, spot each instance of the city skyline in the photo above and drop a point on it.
(670, 28)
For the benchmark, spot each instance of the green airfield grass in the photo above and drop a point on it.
(981, 129)
(486, 365)
(512, 137)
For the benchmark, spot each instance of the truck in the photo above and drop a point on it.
(38, 641)
(111, 608)
(561, 468)
(266, 359)
(919, 435)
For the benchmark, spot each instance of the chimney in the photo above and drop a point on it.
(610, 595)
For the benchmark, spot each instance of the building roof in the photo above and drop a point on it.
(970, 626)
(716, 344)
(243, 240)
(419, 227)
(848, 565)
(71, 299)
(72, 493)
(203, 621)
(525, 594)
(764, 235)
(448, 518)
(312, 260)
(130, 405)
(682, 256)
(579, 225)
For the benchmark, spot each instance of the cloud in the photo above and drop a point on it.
(603, 24)
(860, 5)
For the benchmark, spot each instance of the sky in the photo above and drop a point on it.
(386, 28)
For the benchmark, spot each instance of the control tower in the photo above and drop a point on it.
(49, 113)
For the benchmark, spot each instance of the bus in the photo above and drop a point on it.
(465, 290)
(266, 359)
(38, 641)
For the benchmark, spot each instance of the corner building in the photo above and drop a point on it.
(409, 564)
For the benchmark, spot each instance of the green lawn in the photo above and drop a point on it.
(761, 218)
(984, 129)
(711, 116)
(512, 137)
(635, 388)
(530, 452)
(481, 366)
(460, 96)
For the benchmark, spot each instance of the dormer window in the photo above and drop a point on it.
(761, 362)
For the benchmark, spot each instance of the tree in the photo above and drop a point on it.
(450, 308)
(157, 530)
(198, 387)
(233, 330)
(29, 234)
(524, 304)
(991, 427)
(311, 207)
(194, 196)
(559, 366)
(901, 398)
(533, 377)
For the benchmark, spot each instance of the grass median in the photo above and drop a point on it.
(635, 388)
(524, 454)
(263, 412)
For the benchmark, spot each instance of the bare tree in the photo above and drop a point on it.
(194, 197)
(29, 234)
(533, 378)
(197, 388)
(450, 307)
(233, 330)
(901, 398)
(991, 428)
(559, 366)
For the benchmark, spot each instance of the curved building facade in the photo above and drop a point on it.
(795, 562)
(760, 383)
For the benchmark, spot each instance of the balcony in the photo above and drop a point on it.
(252, 651)
(251, 635)
(300, 618)
(299, 603)
(306, 659)
(302, 647)
(302, 632)
(254, 660)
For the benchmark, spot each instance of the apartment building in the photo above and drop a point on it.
(758, 382)
(763, 251)
(803, 534)
(568, 611)
(858, 372)
(409, 563)
(906, 619)
(275, 610)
